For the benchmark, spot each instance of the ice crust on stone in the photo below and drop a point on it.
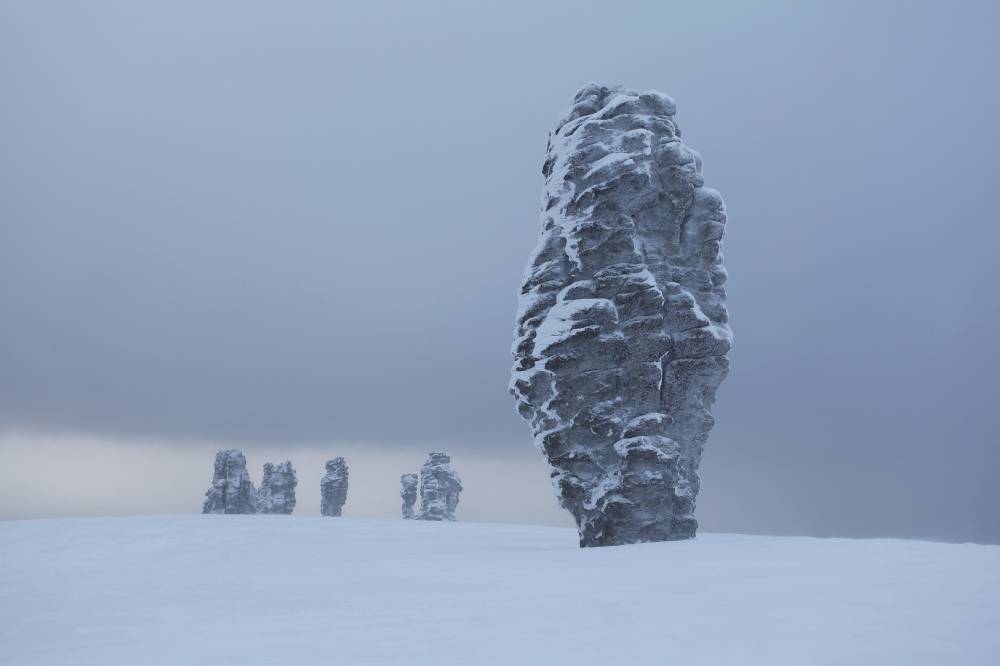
(621, 336)
(277, 488)
(439, 488)
(408, 493)
(231, 491)
(333, 487)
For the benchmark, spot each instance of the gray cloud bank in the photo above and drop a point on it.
(268, 225)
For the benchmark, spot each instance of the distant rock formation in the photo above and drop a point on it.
(408, 491)
(277, 488)
(333, 487)
(231, 491)
(622, 338)
(439, 488)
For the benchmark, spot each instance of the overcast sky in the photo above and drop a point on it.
(298, 228)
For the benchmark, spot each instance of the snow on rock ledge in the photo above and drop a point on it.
(333, 487)
(277, 488)
(622, 338)
(439, 488)
(408, 493)
(232, 490)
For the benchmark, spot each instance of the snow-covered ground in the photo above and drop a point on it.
(245, 590)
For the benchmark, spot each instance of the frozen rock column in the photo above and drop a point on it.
(277, 488)
(333, 487)
(231, 491)
(439, 488)
(408, 491)
(621, 337)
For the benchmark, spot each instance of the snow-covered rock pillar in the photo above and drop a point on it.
(232, 490)
(408, 493)
(439, 488)
(277, 488)
(333, 487)
(621, 337)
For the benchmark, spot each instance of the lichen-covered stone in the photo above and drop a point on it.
(231, 491)
(621, 337)
(277, 489)
(333, 487)
(439, 488)
(408, 493)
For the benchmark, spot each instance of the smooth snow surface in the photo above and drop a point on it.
(288, 590)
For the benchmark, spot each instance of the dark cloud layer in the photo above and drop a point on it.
(304, 222)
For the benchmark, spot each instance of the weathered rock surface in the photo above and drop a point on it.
(277, 488)
(231, 491)
(439, 488)
(408, 492)
(621, 337)
(333, 487)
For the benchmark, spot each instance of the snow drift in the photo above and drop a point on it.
(263, 590)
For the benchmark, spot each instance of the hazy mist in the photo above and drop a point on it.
(299, 228)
